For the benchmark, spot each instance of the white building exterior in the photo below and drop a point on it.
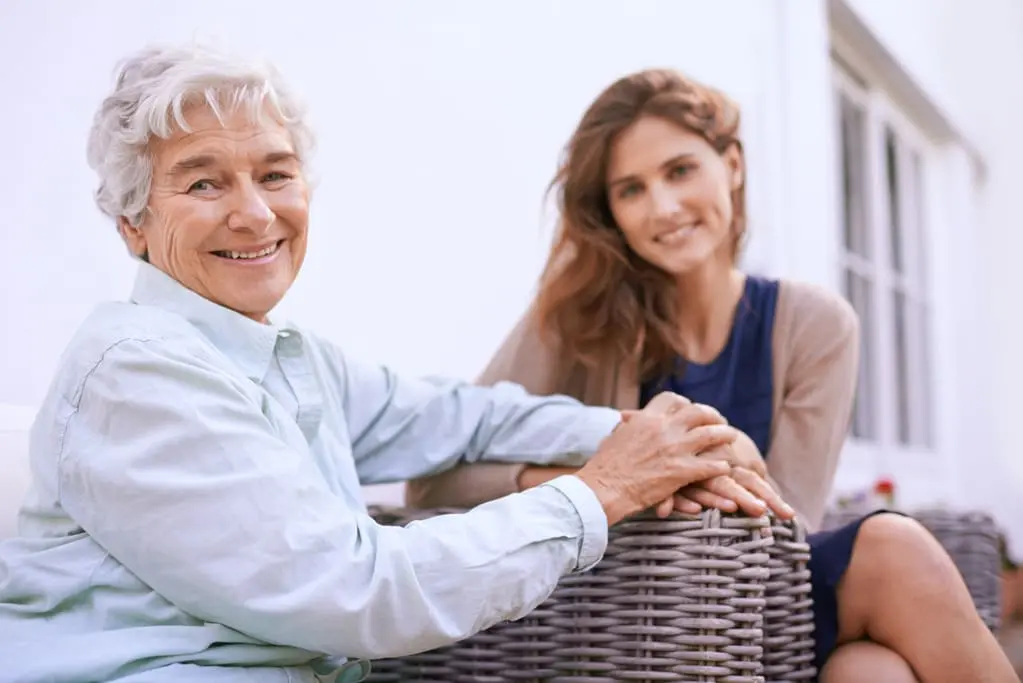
(441, 123)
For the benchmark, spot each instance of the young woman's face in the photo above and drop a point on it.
(670, 194)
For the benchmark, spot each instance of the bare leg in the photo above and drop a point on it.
(866, 662)
(903, 592)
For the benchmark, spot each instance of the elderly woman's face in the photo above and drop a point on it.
(228, 211)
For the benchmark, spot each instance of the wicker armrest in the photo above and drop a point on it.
(971, 539)
(711, 598)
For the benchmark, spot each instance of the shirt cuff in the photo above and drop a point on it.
(593, 541)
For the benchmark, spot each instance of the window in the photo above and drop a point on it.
(884, 264)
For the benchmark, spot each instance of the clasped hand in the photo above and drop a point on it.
(744, 487)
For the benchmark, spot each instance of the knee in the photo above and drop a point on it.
(895, 545)
(866, 662)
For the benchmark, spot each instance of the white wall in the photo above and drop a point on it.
(440, 125)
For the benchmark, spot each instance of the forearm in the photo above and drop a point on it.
(439, 581)
(470, 485)
(533, 475)
(346, 586)
(458, 424)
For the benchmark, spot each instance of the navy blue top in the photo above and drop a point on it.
(739, 383)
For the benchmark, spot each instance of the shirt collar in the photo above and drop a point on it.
(246, 342)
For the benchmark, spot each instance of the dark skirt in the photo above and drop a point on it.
(830, 554)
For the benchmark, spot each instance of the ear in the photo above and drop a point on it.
(735, 162)
(133, 237)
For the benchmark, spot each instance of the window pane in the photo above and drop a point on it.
(891, 157)
(924, 369)
(858, 291)
(902, 372)
(853, 161)
(919, 230)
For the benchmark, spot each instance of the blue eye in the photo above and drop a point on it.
(201, 186)
(275, 177)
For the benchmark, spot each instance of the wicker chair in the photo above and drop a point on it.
(713, 598)
(971, 539)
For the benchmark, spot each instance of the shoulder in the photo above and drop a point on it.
(810, 309)
(117, 332)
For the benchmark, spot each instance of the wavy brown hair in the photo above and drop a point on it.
(597, 297)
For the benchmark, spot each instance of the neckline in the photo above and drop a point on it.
(743, 302)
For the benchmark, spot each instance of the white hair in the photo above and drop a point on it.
(152, 89)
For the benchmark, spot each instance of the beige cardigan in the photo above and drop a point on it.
(815, 364)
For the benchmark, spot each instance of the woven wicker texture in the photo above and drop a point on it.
(971, 540)
(680, 599)
(788, 616)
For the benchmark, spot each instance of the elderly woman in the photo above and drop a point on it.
(195, 513)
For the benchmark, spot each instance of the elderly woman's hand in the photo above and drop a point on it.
(653, 453)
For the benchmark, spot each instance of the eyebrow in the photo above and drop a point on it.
(675, 160)
(200, 161)
(190, 164)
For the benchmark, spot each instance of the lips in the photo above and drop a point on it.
(676, 235)
(250, 254)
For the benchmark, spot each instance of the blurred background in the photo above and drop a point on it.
(883, 140)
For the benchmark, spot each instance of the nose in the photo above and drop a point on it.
(664, 202)
(250, 211)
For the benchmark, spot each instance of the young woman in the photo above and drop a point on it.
(642, 293)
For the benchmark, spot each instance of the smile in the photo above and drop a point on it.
(677, 235)
(261, 255)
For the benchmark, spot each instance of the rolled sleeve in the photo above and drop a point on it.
(592, 520)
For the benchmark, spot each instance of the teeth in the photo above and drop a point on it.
(676, 235)
(251, 254)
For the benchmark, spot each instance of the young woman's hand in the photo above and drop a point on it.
(742, 489)
(746, 488)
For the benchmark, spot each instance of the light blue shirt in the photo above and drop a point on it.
(196, 505)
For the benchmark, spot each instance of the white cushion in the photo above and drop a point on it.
(14, 473)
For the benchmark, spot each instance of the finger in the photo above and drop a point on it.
(627, 415)
(708, 499)
(727, 487)
(697, 414)
(686, 505)
(724, 453)
(759, 487)
(666, 403)
(692, 469)
(665, 507)
(705, 437)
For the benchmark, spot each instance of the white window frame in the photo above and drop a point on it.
(885, 446)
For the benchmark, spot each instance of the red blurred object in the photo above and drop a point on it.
(885, 489)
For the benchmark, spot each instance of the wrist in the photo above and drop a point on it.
(532, 476)
(616, 506)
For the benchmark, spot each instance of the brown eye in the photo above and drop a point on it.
(629, 190)
(681, 170)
